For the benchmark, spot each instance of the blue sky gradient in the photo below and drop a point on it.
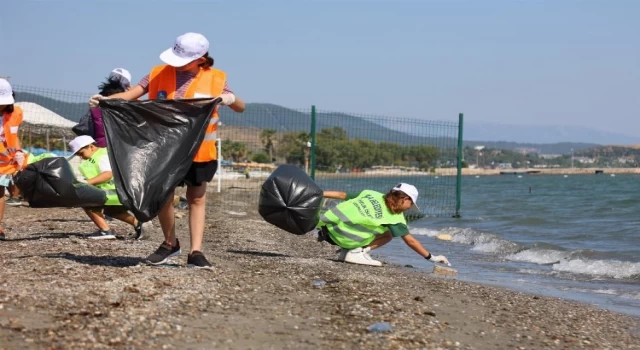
(514, 62)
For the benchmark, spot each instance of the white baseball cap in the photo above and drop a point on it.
(80, 142)
(121, 75)
(409, 190)
(6, 93)
(187, 48)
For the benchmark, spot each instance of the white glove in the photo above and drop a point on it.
(439, 259)
(19, 159)
(81, 180)
(95, 99)
(227, 99)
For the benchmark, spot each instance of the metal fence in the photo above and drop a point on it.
(341, 151)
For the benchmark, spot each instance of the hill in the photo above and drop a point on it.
(269, 116)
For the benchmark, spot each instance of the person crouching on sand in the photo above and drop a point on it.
(96, 170)
(368, 220)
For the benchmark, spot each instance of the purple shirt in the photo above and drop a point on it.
(98, 127)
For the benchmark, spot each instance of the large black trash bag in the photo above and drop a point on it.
(50, 183)
(290, 200)
(151, 146)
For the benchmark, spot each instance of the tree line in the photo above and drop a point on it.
(335, 151)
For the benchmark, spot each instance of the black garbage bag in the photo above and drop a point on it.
(290, 200)
(151, 146)
(51, 183)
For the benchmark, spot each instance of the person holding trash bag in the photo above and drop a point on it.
(96, 170)
(187, 73)
(12, 158)
(368, 220)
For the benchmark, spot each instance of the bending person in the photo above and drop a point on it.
(12, 158)
(96, 170)
(368, 220)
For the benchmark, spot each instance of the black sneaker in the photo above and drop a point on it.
(164, 253)
(197, 260)
(2, 236)
(138, 229)
(14, 202)
(100, 234)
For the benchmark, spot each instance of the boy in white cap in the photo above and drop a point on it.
(368, 220)
(96, 170)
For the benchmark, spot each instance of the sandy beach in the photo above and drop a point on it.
(61, 291)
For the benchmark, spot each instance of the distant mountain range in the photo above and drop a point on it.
(545, 139)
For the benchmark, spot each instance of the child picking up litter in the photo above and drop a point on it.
(96, 170)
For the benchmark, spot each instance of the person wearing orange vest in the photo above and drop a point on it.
(187, 73)
(12, 158)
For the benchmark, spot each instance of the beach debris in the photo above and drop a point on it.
(444, 271)
(380, 327)
(318, 283)
(444, 237)
(236, 213)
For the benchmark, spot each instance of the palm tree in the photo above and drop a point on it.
(267, 136)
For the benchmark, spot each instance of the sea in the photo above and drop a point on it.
(575, 237)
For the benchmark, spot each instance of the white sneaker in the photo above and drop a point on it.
(110, 234)
(361, 256)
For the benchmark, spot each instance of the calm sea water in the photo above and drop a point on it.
(575, 237)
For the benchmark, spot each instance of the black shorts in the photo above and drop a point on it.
(199, 173)
(110, 210)
(323, 235)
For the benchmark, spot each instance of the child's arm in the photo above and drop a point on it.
(103, 177)
(418, 248)
(334, 194)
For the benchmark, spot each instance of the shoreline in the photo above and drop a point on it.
(58, 290)
(481, 172)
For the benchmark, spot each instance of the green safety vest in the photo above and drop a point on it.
(356, 222)
(89, 169)
(33, 159)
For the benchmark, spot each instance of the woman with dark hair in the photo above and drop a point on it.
(12, 158)
(118, 81)
(187, 73)
(368, 220)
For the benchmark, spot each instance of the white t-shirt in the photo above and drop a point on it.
(104, 164)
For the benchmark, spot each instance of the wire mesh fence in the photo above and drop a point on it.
(341, 151)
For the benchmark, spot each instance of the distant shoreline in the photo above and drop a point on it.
(481, 172)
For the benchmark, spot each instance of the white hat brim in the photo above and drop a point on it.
(7, 100)
(171, 59)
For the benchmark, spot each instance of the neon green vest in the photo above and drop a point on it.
(356, 222)
(33, 159)
(89, 169)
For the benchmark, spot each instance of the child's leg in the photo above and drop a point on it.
(196, 197)
(121, 213)
(1, 205)
(14, 191)
(381, 240)
(95, 214)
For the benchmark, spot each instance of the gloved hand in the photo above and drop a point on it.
(95, 99)
(439, 259)
(227, 99)
(81, 180)
(18, 157)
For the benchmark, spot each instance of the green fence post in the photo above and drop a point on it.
(313, 142)
(460, 160)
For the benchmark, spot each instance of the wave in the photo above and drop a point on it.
(578, 262)
(600, 268)
(539, 256)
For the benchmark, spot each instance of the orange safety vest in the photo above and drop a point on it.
(209, 82)
(10, 123)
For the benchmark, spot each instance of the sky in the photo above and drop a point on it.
(511, 62)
